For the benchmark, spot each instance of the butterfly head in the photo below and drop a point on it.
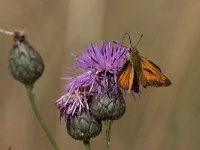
(133, 49)
(133, 52)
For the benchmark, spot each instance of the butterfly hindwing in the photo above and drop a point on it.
(152, 75)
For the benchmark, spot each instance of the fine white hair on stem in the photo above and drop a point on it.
(6, 32)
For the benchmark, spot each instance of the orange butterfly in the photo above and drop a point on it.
(139, 70)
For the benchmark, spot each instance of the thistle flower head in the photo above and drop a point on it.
(104, 61)
(76, 96)
(100, 65)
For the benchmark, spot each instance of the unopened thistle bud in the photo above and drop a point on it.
(25, 63)
(108, 106)
(83, 126)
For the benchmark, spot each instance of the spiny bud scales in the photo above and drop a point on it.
(25, 63)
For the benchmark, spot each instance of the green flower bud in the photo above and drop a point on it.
(25, 63)
(83, 126)
(108, 106)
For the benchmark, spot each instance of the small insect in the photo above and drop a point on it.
(140, 71)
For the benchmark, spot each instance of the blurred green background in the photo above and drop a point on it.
(158, 119)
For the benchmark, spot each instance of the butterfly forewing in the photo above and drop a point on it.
(152, 75)
(124, 77)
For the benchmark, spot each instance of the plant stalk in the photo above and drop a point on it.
(107, 124)
(29, 89)
(87, 144)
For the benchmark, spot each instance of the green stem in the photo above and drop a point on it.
(107, 124)
(29, 89)
(87, 144)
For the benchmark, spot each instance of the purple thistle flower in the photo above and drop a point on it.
(103, 60)
(99, 63)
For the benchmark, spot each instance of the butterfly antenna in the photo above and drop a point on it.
(129, 37)
(139, 40)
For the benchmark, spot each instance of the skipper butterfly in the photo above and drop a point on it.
(140, 71)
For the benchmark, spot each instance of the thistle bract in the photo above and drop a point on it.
(83, 126)
(108, 106)
(25, 63)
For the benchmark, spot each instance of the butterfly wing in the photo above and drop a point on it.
(152, 75)
(125, 75)
(127, 79)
